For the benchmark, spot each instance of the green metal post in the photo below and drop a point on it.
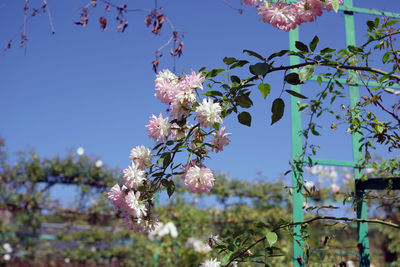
(363, 242)
(298, 212)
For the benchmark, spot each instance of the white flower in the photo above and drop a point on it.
(309, 185)
(7, 247)
(166, 74)
(134, 177)
(67, 260)
(210, 263)
(98, 163)
(141, 156)
(7, 257)
(369, 170)
(335, 188)
(198, 245)
(208, 112)
(80, 151)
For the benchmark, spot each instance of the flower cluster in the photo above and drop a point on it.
(180, 95)
(288, 17)
(143, 178)
(135, 206)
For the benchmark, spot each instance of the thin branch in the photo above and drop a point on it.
(317, 218)
(53, 31)
(337, 66)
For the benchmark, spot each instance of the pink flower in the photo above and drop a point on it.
(194, 80)
(135, 207)
(220, 139)
(116, 195)
(166, 90)
(158, 128)
(134, 177)
(199, 180)
(250, 2)
(141, 156)
(280, 15)
(207, 113)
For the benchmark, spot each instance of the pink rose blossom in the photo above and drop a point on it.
(220, 139)
(134, 177)
(134, 205)
(199, 180)
(116, 195)
(208, 112)
(158, 128)
(194, 80)
(250, 2)
(141, 156)
(166, 90)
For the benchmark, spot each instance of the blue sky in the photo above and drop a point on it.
(86, 88)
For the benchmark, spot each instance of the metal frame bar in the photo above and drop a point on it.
(296, 127)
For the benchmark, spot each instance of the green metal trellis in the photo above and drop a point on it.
(377, 184)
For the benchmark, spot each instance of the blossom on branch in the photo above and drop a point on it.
(141, 156)
(158, 128)
(208, 112)
(134, 177)
(199, 180)
(220, 139)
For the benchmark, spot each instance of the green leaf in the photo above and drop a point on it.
(314, 43)
(278, 108)
(225, 260)
(327, 50)
(296, 94)
(245, 118)
(293, 78)
(386, 56)
(259, 68)
(170, 188)
(213, 93)
(271, 238)
(254, 54)
(240, 63)
(214, 72)
(278, 54)
(301, 46)
(335, 5)
(264, 88)
(235, 79)
(244, 101)
(306, 72)
(229, 60)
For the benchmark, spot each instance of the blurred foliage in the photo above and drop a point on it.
(88, 232)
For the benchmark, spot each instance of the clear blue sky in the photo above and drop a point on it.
(84, 87)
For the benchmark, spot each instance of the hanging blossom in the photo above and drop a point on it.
(180, 94)
(158, 128)
(220, 139)
(117, 196)
(288, 17)
(141, 156)
(207, 113)
(199, 180)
